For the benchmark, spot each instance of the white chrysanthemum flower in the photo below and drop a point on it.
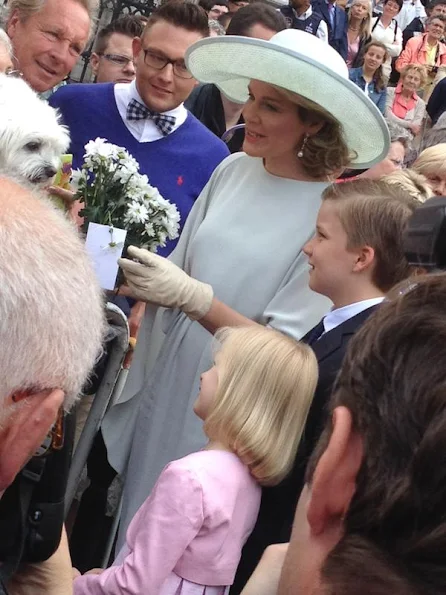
(150, 230)
(77, 175)
(100, 148)
(136, 213)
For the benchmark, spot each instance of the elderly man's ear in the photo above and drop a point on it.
(25, 429)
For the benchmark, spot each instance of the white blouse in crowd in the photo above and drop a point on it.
(391, 37)
(411, 10)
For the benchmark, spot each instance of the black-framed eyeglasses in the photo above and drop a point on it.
(117, 59)
(159, 62)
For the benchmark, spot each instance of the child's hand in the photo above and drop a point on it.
(265, 578)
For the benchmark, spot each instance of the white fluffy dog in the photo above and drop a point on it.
(31, 138)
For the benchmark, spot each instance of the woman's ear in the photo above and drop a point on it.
(334, 480)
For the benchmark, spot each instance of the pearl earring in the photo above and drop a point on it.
(301, 151)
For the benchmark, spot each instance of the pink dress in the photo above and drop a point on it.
(187, 537)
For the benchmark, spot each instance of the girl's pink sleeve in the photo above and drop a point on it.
(157, 537)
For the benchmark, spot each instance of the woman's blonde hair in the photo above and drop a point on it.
(414, 184)
(432, 161)
(326, 152)
(419, 68)
(366, 24)
(265, 389)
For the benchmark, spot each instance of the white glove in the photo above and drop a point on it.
(157, 280)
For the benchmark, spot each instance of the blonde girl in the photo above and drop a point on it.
(187, 537)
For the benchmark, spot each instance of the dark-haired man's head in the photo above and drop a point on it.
(214, 9)
(257, 20)
(162, 79)
(436, 7)
(112, 60)
(371, 518)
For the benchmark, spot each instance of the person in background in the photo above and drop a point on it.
(403, 106)
(411, 183)
(436, 104)
(436, 135)
(214, 9)
(299, 14)
(6, 65)
(410, 10)
(48, 38)
(417, 26)
(188, 535)
(432, 164)
(224, 19)
(369, 77)
(371, 518)
(112, 59)
(336, 20)
(215, 29)
(427, 50)
(355, 257)
(359, 28)
(386, 30)
(235, 5)
(207, 102)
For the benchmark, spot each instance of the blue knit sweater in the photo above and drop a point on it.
(179, 165)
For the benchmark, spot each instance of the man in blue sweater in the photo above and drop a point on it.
(147, 116)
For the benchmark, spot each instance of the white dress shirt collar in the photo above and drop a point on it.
(305, 15)
(143, 130)
(340, 315)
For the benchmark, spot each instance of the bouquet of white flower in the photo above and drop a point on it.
(115, 194)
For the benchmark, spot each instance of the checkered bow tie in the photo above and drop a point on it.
(138, 111)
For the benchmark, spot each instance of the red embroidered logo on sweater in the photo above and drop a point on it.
(180, 181)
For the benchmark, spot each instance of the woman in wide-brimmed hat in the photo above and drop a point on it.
(239, 260)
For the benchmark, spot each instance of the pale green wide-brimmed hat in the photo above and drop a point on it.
(301, 63)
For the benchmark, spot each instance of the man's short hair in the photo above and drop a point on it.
(256, 14)
(51, 308)
(181, 14)
(129, 25)
(393, 382)
(29, 7)
(373, 213)
(26, 8)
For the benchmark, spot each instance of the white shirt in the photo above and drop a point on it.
(386, 35)
(410, 10)
(336, 317)
(145, 131)
(322, 30)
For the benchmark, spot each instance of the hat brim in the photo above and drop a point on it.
(231, 62)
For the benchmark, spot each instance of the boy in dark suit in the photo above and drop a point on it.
(355, 257)
(337, 23)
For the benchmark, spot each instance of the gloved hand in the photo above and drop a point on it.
(157, 280)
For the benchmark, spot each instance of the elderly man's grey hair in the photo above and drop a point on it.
(51, 308)
(27, 8)
(5, 42)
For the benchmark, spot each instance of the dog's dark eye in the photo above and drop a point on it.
(32, 147)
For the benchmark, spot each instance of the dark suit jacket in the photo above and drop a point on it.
(278, 503)
(337, 35)
(437, 101)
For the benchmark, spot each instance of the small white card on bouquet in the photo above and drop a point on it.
(104, 245)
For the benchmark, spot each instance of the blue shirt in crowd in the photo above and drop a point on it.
(179, 164)
(378, 97)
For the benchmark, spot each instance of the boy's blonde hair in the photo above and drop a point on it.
(374, 213)
(432, 161)
(263, 397)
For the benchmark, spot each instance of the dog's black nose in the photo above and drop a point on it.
(49, 172)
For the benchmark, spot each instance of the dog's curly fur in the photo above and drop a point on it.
(31, 138)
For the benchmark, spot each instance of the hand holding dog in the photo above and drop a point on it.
(156, 280)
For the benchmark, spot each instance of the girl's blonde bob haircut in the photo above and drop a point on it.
(325, 153)
(265, 387)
